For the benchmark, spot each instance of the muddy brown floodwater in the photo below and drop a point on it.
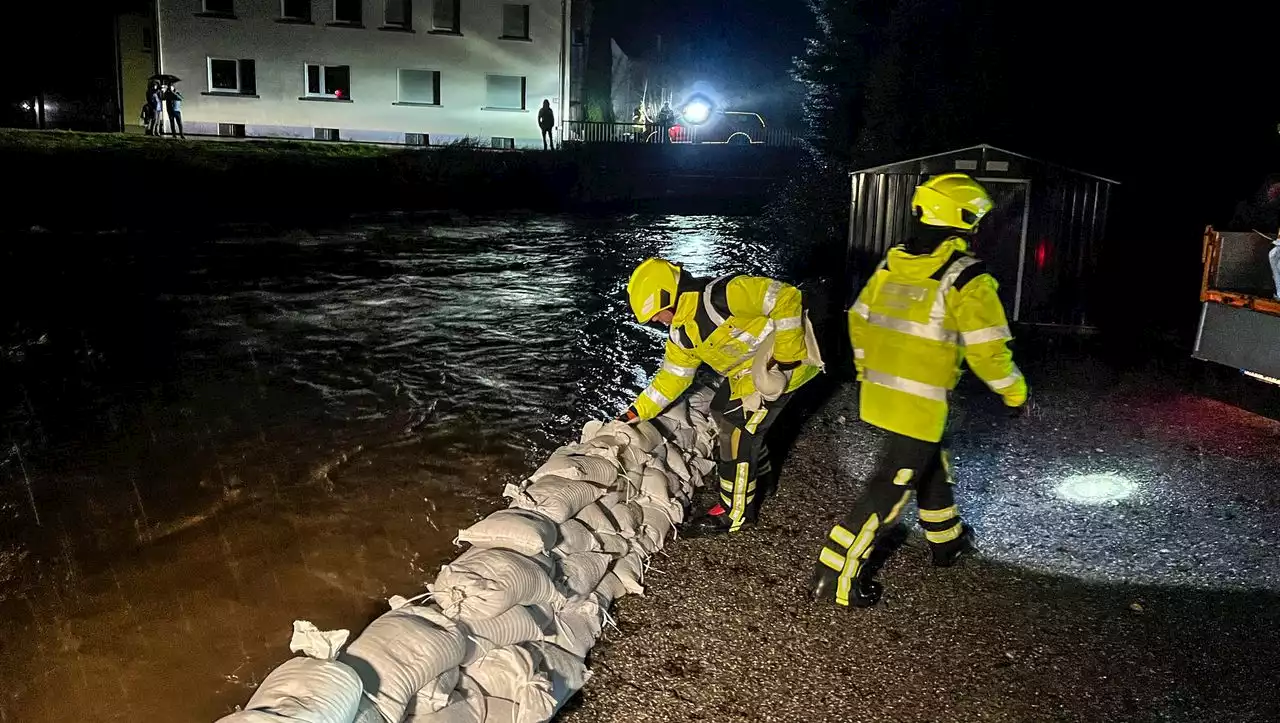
(203, 441)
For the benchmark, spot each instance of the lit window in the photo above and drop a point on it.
(219, 7)
(347, 11)
(329, 81)
(232, 76)
(505, 92)
(299, 10)
(515, 22)
(421, 87)
(398, 14)
(446, 16)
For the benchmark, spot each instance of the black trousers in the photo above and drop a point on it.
(745, 472)
(905, 465)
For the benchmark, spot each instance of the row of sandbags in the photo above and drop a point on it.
(503, 632)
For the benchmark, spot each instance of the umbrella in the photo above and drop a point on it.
(165, 78)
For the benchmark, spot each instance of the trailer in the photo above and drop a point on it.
(1240, 314)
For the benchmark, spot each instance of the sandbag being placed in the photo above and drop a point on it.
(575, 536)
(483, 584)
(400, 653)
(524, 531)
(556, 497)
(586, 468)
(581, 572)
(645, 441)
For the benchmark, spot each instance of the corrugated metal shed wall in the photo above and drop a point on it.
(1066, 223)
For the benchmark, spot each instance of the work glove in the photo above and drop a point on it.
(628, 417)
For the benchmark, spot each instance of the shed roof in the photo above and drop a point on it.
(902, 166)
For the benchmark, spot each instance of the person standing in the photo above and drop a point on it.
(547, 123)
(928, 307)
(666, 119)
(154, 121)
(726, 323)
(1274, 256)
(173, 103)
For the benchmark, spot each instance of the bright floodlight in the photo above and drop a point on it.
(697, 111)
(1095, 489)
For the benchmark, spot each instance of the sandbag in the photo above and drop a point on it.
(635, 438)
(581, 572)
(597, 518)
(483, 584)
(400, 653)
(659, 520)
(656, 485)
(512, 674)
(652, 435)
(575, 536)
(611, 588)
(567, 671)
(700, 399)
(579, 623)
(435, 694)
(524, 531)
(520, 624)
(556, 497)
(467, 704)
(630, 572)
(676, 463)
(586, 468)
(676, 417)
(304, 690)
(703, 466)
(624, 518)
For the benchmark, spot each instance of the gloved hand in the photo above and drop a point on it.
(629, 417)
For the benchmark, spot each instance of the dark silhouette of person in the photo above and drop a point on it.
(173, 104)
(547, 122)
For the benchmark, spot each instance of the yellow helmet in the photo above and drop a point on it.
(952, 200)
(652, 288)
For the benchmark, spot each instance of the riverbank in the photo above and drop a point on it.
(105, 181)
(1159, 606)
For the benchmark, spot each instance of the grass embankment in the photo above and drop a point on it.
(97, 181)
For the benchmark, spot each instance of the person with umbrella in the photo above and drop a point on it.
(173, 104)
(153, 110)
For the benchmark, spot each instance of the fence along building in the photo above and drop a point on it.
(392, 71)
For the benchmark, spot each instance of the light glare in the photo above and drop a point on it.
(1095, 489)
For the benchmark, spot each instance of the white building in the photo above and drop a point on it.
(395, 71)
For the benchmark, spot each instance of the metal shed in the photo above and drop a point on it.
(1041, 242)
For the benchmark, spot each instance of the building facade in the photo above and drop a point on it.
(421, 72)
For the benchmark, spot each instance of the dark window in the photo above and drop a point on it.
(579, 37)
(515, 21)
(347, 11)
(219, 7)
(248, 77)
(447, 16)
(295, 9)
(224, 75)
(399, 14)
(505, 144)
(417, 139)
(505, 92)
(231, 130)
(326, 134)
(313, 80)
(420, 86)
(148, 40)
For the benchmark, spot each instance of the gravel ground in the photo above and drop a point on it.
(1161, 606)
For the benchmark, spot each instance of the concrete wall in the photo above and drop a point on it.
(282, 50)
(137, 63)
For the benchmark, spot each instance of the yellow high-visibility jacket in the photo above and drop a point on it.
(722, 323)
(917, 319)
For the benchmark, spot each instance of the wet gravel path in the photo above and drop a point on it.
(1162, 606)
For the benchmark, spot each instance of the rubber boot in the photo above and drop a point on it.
(716, 521)
(863, 591)
(948, 554)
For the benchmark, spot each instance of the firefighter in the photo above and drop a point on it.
(726, 323)
(930, 305)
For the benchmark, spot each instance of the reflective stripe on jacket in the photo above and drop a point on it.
(917, 319)
(721, 324)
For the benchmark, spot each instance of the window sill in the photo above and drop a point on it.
(322, 99)
(295, 21)
(229, 94)
(417, 105)
(515, 38)
(455, 33)
(357, 26)
(219, 16)
(506, 110)
(397, 29)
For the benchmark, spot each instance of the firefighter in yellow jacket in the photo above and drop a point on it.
(929, 306)
(725, 323)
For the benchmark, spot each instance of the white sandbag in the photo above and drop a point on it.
(367, 712)
(700, 399)
(524, 531)
(501, 710)
(567, 671)
(579, 623)
(597, 518)
(304, 690)
(624, 518)
(676, 417)
(512, 674)
(703, 466)
(611, 588)
(587, 468)
(401, 652)
(581, 572)
(633, 436)
(676, 463)
(629, 485)
(660, 520)
(575, 536)
(467, 704)
(520, 624)
(483, 584)
(629, 570)
(604, 446)
(656, 485)
(435, 694)
(652, 435)
(555, 497)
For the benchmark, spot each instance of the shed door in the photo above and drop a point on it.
(1002, 238)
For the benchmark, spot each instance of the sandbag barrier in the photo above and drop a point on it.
(502, 634)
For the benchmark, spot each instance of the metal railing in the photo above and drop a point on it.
(601, 132)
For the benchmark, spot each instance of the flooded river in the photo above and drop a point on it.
(204, 442)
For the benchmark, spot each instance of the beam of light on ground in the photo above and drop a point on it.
(1095, 489)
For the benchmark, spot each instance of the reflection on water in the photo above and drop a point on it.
(210, 433)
